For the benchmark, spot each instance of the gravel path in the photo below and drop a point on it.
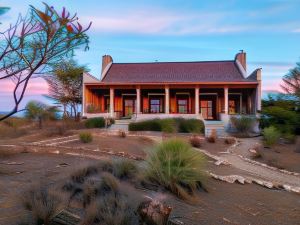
(254, 170)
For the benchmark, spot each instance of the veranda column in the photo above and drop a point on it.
(197, 100)
(167, 100)
(111, 101)
(138, 100)
(226, 99)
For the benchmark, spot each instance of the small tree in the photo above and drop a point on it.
(65, 85)
(291, 82)
(38, 111)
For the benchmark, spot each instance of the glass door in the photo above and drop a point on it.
(128, 106)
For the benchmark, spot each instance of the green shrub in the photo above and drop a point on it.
(177, 167)
(271, 136)
(97, 122)
(285, 120)
(191, 126)
(242, 124)
(169, 125)
(86, 137)
(147, 125)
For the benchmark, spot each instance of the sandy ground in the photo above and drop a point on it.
(223, 204)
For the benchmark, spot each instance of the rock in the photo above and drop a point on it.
(153, 212)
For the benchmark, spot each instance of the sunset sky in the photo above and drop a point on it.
(178, 30)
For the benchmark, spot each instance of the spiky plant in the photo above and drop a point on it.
(177, 167)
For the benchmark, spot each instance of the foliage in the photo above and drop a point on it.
(65, 85)
(176, 166)
(271, 136)
(40, 112)
(190, 126)
(97, 122)
(124, 169)
(34, 43)
(43, 204)
(287, 121)
(243, 124)
(86, 137)
(169, 125)
(291, 82)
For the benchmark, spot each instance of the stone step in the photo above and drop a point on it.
(214, 125)
(123, 122)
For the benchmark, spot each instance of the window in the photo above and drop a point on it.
(156, 105)
(182, 105)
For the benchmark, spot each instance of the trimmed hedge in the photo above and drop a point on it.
(97, 122)
(169, 125)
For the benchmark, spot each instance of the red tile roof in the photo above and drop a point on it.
(170, 72)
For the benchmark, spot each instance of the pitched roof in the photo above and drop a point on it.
(172, 72)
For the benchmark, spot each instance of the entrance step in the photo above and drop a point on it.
(214, 125)
(123, 122)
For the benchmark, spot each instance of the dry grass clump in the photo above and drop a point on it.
(124, 169)
(229, 140)
(175, 166)
(86, 137)
(43, 203)
(80, 175)
(122, 133)
(196, 141)
(212, 138)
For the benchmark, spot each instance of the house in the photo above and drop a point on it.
(207, 90)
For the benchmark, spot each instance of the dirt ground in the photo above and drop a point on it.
(223, 204)
(282, 156)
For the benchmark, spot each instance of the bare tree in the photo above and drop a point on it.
(35, 42)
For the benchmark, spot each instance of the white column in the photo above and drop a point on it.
(138, 100)
(83, 101)
(258, 96)
(197, 100)
(111, 101)
(167, 100)
(226, 99)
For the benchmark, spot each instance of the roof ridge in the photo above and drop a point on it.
(209, 61)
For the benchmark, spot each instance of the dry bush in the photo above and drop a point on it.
(196, 141)
(43, 203)
(256, 151)
(11, 132)
(80, 175)
(110, 209)
(86, 137)
(229, 140)
(212, 138)
(124, 168)
(122, 133)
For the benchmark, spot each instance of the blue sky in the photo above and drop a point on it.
(177, 30)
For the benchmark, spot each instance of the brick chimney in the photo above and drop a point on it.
(241, 57)
(106, 59)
